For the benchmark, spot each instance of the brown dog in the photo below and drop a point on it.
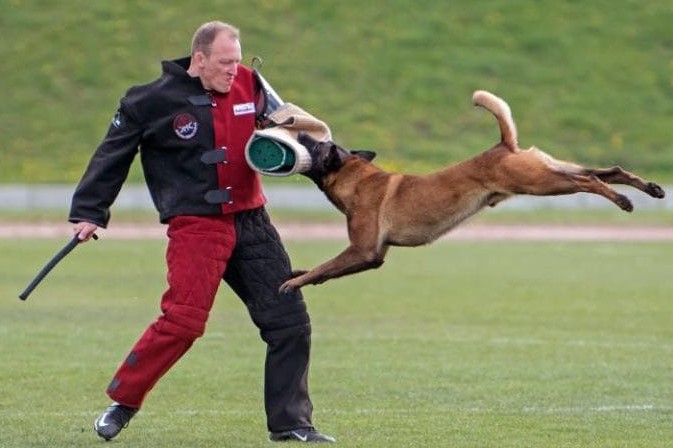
(385, 209)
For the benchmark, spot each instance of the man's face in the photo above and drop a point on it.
(217, 71)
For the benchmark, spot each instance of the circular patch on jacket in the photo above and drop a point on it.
(185, 126)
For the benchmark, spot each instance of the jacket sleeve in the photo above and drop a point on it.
(107, 170)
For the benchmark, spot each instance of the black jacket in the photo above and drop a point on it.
(170, 122)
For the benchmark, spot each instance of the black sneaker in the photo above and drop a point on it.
(115, 418)
(301, 435)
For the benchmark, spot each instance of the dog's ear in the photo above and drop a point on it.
(367, 155)
(333, 161)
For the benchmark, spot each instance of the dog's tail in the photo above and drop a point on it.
(499, 108)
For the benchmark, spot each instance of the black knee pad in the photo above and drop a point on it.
(282, 321)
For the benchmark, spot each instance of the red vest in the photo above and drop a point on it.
(234, 123)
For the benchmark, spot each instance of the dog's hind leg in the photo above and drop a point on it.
(565, 178)
(590, 183)
(537, 173)
(596, 180)
(617, 175)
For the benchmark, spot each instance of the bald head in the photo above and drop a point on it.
(216, 54)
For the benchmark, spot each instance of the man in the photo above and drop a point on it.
(190, 127)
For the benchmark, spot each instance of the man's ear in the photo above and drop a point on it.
(367, 155)
(198, 58)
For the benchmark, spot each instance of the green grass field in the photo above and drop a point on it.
(451, 345)
(588, 81)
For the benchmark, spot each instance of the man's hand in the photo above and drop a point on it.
(84, 230)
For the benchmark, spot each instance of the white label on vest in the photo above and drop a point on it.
(244, 108)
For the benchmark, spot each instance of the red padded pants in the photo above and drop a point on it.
(245, 250)
(197, 254)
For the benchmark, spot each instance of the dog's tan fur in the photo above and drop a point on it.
(387, 209)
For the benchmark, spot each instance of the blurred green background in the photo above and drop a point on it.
(587, 81)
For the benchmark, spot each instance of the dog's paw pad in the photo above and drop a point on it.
(624, 203)
(655, 190)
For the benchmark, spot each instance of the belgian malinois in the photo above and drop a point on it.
(389, 209)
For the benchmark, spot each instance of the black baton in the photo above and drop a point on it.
(50, 265)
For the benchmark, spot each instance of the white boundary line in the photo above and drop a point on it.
(337, 231)
(534, 410)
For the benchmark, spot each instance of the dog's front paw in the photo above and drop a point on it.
(289, 286)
